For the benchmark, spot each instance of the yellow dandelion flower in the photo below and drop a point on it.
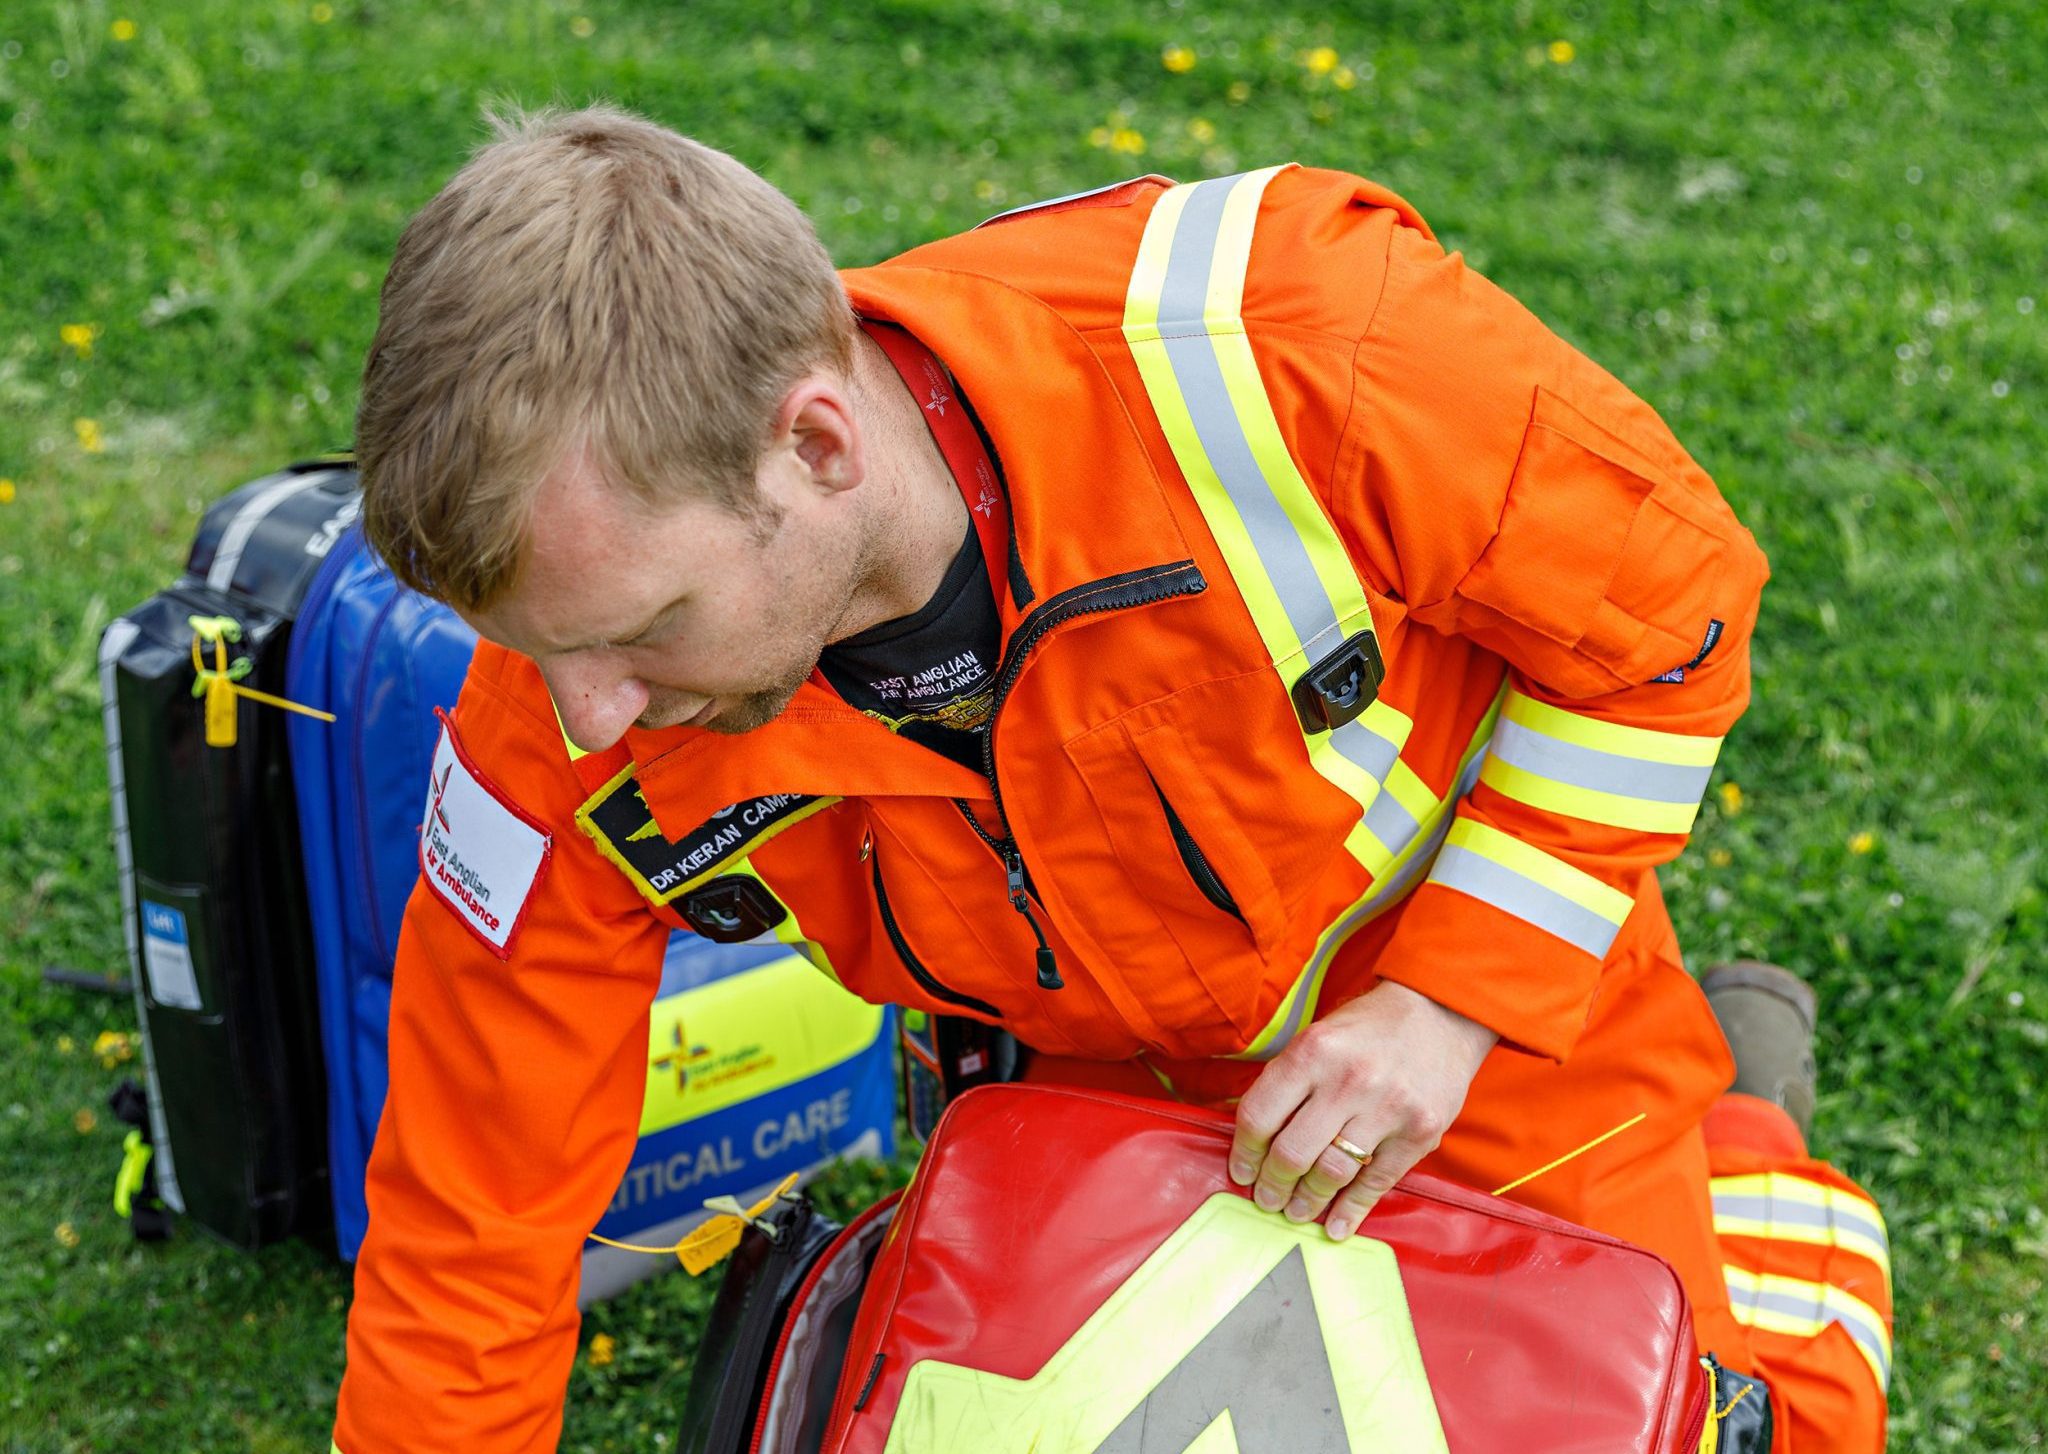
(1099, 136)
(1344, 78)
(1239, 92)
(1562, 51)
(79, 336)
(1127, 141)
(582, 27)
(1320, 61)
(6, 492)
(1202, 131)
(1178, 59)
(88, 431)
(602, 1350)
(83, 1120)
(322, 13)
(1863, 842)
(65, 1044)
(1731, 798)
(122, 30)
(67, 1235)
(107, 1042)
(1720, 857)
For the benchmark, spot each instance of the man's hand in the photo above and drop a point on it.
(1387, 1072)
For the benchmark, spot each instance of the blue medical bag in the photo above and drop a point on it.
(758, 1065)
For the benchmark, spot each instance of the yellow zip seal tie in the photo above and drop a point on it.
(712, 1241)
(135, 1154)
(221, 683)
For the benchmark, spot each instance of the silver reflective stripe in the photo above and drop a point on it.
(1278, 543)
(235, 539)
(1273, 535)
(1382, 896)
(1390, 822)
(1496, 884)
(1265, 1367)
(119, 636)
(1814, 1310)
(1783, 1211)
(1366, 750)
(1605, 772)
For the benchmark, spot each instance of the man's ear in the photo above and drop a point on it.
(817, 422)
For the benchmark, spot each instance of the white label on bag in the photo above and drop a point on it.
(167, 957)
(479, 853)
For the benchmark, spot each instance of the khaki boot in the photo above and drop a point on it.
(1767, 1013)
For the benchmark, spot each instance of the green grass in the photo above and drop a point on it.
(1812, 239)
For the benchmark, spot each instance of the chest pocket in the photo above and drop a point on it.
(1219, 840)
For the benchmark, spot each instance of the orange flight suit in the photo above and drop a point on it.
(1562, 603)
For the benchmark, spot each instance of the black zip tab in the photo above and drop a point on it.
(1198, 867)
(918, 972)
(1111, 593)
(1021, 890)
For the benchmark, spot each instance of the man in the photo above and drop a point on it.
(1204, 630)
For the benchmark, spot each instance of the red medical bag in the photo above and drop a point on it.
(1073, 1270)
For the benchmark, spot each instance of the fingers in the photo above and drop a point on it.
(1275, 1096)
(1330, 1173)
(1393, 1160)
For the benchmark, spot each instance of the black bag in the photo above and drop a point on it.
(770, 1359)
(212, 887)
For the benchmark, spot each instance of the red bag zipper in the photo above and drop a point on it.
(803, 1293)
(1695, 1425)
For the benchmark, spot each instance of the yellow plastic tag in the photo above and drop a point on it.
(715, 1239)
(220, 711)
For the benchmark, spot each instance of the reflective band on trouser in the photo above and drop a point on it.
(1521, 879)
(1601, 772)
(1804, 1309)
(1780, 1207)
(1406, 859)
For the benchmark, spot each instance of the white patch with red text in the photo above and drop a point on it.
(479, 854)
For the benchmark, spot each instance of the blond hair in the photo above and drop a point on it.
(588, 278)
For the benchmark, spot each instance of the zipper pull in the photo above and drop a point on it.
(1048, 965)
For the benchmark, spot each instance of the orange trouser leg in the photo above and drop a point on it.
(1808, 1274)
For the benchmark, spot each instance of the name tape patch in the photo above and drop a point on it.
(479, 853)
(619, 821)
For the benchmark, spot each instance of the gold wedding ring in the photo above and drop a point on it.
(1357, 1153)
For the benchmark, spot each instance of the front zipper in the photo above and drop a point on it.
(925, 978)
(1111, 593)
(1197, 865)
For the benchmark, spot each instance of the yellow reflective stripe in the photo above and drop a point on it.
(1779, 1206)
(1182, 321)
(1601, 772)
(1229, 1293)
(1148, 277)
(1624, 741)
(1533, 863)
(1589, 804)
(1389, 886)
(1802, 1309)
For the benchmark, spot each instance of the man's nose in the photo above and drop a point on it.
(596, 703)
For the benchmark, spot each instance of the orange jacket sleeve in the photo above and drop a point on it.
(515, 1092)
(1517, 495)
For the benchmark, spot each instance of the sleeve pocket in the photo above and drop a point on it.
(1596, 573)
